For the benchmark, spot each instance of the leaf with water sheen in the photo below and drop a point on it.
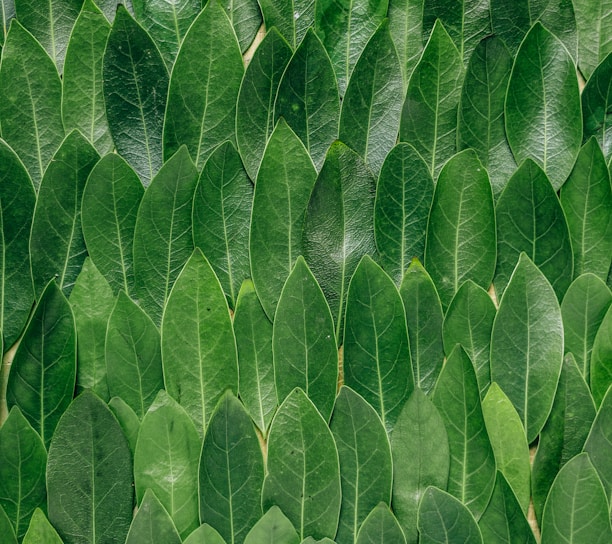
(273, 528)
(89, 475)
(303, 472)
(527, 345)
(594, 26)
(128, 420)
(601, 359)
(596, 103)
(599, 443)
(293, 18)
(246, 19)
(231, 471)
(152, 524)
(380, 527)
(204, 534)
(40, 530)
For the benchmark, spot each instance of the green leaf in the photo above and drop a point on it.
(461, 236)
(303, 341)
(542, 112)
(57, 246)
(371, 109)
(201, 112)
(255, 107)
(110, 204)
(152, 524)
(82, 94)
(198, 343)
(89, 474)
(253, 332)
(420, 436)
(429, 115)
(40, 530)
(596, 103)
(403, 199)
(273, 528)
(380, 527)
(576, 508)
(303, 473)
(166, 461)
(527, 345)
(23, 464)
(133, 356)
(469, 321)
(586, 199)
(167, 23)
(162, 234)
(30, 109)
(509, 443)
(599, 443)
(127, 418)
(594, 25)
(424, 318)
(231, 471)
(307, 97)
(42, 377)
(338, 228)
(530, 219)
(406, 27)
(6, 528)
(17, 202)
(311, 540)
(601, 359)
(109, 7)
(8, 13)
(135, 89)
(480, 124)
(472, 462)
(246, 19)
(443, 519)
(221, 217)
(365, 461)
(284, 183)
(204, 534)
(293, 18)
(565, 431)
(376, 350)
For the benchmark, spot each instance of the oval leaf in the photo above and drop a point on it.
(152, 524)
(601, 359)
(599, 443)
(273, 528)
(381, 527)
(596, 100)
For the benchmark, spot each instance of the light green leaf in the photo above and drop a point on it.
(365, 461)
(40, 530)
(152, 524)
(30, 109)
(127, 418)
(133, 356)
(599, 443)
(231, 471)
(42, 377)
(89, 475)
(110, 204)
(82, 94)
(273, 528)
(198, 343)
(594, 25)
(204, 534)
(376, 350)
(246, 19)
(8, 13)
(201, 112)
(527, 345)
(311, 540)
(596, 102)
(162, 234)
(303, 473)
(381, 527)
(284, 183)
(293, 18)
(166, 461)
(221, 218)
(601, 359)
(406, 27)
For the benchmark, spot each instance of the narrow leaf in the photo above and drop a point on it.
(596, 101)
(381, 527)
(293, 18)
(246, 19)
(40, 530)
(152, 524)
(406, 27)
(599, 443)
(601, 359)
(273, 528)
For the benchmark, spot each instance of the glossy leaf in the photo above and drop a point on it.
(40, 530)
(403, 199)
(594, 26)
(284, 183)
(530, 219)
(307, 97)
(293, 19)
(152, 524)
(376, 350)
(135, 89)
(198, 343)
(429, 115)
(109, 7)
(246, 19)
(57, 246)
(371, 109)
(82, 93)
(421, 457)
(527, 345)
(601, 359)
(221, 218)
(231, 471)
(273, 528)
(365, 462)
(461, 238)
(42, 377)
(128, 420)
(204, 534)
(406, 27)
(599, 443)
(303, 476)
(133, 357)
(30, 110)
(542, 111)
(162, 234)
(380, 527)
(201, 112)
(110, 204)
(166, 461)
(89, 474)
(596, 101)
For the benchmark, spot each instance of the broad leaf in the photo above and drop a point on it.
(599, 443)
(303, 476)
(596, 102)
(89, 475)
(406, 27)
(292, 18)
(40, 530)
(246, 19)
(152, 524)
(527, 345)
(601, 359)
(135, 89)
(273, 528)
(204, 534)
(380, 527)
(128, 420)
(594, 25)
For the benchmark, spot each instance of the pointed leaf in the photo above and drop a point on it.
(128, 420)
(293, 18)
(40, 530)
(406, 27)
(599, 443)
(273, 528)
(246, 19)
(381, 527)
(596, 101)
(109, 7)
(204, 534)
(594, 40)
(601, 359)
(152, 524)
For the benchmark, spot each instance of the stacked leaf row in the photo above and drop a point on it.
(328, 286)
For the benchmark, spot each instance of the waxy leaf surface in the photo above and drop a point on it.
(152, 524)
(204, 534)
(406, 27)
(596, 100)
(273, 528)
(594, 26)
(128, 420)
(293, 18)
(380, 527)
(601, 359)
(599, 443)
(246, 19)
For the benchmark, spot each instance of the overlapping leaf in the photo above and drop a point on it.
(152, 524)
(380, 527)
(40, 530)
(406, 27)
(273, 528)
(293, 18)
(246, 19)
(599, 443)
(596, 99)
(601, 359)
(594, 26)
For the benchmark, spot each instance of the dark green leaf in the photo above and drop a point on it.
(40, 530)
(273, 528)
(89, 475)
(293, 18)
(596, 104)
(594, 25)
(204, 534)
(601, 359)
(406, 27)
(246, 19)
(599, 443)
(6, 528)
(152, 524)
(381, 527)
(127, 418)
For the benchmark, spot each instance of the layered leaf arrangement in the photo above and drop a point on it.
(305, 271)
